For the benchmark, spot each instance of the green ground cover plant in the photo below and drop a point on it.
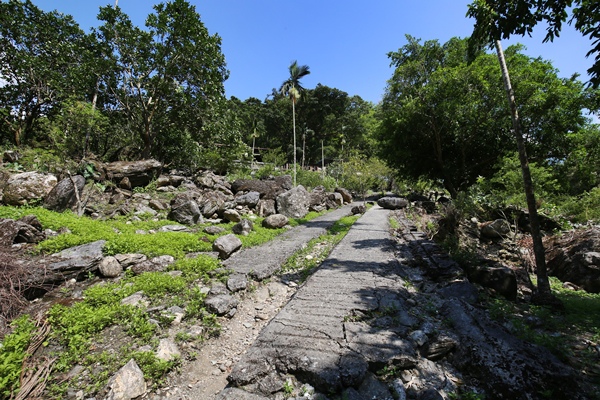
(12, 353)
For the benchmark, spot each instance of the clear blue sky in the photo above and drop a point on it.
(345, 43)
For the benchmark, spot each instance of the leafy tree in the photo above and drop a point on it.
(76, 120)
(41, 63)
(291, 87)
(488, 31)
(334, 118)
(579, 172)
(446, 119)
(521, 16)
(167, 78)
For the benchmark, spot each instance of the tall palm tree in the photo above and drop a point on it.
(291, 87)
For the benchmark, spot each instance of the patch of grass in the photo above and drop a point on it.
(566, 333)
(317, 250)
(77, 328)
(121, 236)
(13, 351)
(196, 268)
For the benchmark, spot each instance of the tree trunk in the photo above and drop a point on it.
(543, 283)
(322, 160)
(91, 122)
(294, 124)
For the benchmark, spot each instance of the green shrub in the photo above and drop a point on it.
(583, 208)
(312, 179)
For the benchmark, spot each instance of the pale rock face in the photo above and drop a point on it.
(25, 187)
(128, 383)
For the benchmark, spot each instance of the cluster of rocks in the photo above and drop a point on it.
(192, 199)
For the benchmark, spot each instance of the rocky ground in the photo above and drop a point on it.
(396, 317)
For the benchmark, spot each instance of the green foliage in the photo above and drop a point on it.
(312, 179)
(154, 368)
(276, 157)
(43, 160)
(13, 351)
(43, 61)
(121, 237)
(195, 268)
(583, 208)
(360, 174)
(496, 20)
(506, 185)
(578, 172)
(444, 118)
(77, 126)
(185, 75)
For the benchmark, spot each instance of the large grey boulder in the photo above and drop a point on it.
(498, 277)
(211, 181)
(576, 258)
(25, 230)
(9, 228)
(346, 195)
(63, 196)
(185, 210)
(232, 215)
(392, 203)
(23, 188)
(227, 245)
(214, 202)
(221, 304)
(237, 282)
(139, 173)
(268, 189)
(335, 200)
(294, 203)
(73, 263)
(318, 199)
(249, 199)
(265, 207)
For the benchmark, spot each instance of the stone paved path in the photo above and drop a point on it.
(317, 336)
(263, 261)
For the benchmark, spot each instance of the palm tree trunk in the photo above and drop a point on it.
(543, 283)
(294, 124)
(322, 160)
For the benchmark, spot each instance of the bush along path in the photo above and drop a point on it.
(391, 317)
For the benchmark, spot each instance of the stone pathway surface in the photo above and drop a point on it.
(318, 336)
(383, 317)
(263, 261)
